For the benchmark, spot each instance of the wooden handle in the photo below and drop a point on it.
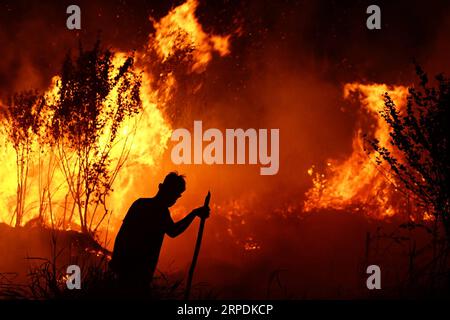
(196, 250)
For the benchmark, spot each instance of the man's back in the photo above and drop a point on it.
(138, 243)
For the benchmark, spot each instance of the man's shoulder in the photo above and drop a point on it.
(147, 203)
(137, 206)
(143, 201)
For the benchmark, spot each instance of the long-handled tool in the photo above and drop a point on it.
(197, 250)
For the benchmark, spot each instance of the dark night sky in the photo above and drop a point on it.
(332, 33)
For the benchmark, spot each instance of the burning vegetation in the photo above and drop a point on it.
(75, 155)
(357, 181)
(104, 115)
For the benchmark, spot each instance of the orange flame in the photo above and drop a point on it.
(358, 182)
(145, 136)
(180, 31)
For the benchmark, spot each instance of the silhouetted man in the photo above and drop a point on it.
(138, 243)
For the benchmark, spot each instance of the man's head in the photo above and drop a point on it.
(171, 188)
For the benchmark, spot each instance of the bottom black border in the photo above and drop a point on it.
(169, 309)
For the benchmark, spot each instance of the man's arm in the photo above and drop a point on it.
(176, 228)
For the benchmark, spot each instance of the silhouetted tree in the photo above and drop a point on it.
(94, 99)
(418, 156)
(22, 120)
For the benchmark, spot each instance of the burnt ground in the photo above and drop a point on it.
(322, 255)
(36, 250)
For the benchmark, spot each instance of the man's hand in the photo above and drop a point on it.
(201, 212)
